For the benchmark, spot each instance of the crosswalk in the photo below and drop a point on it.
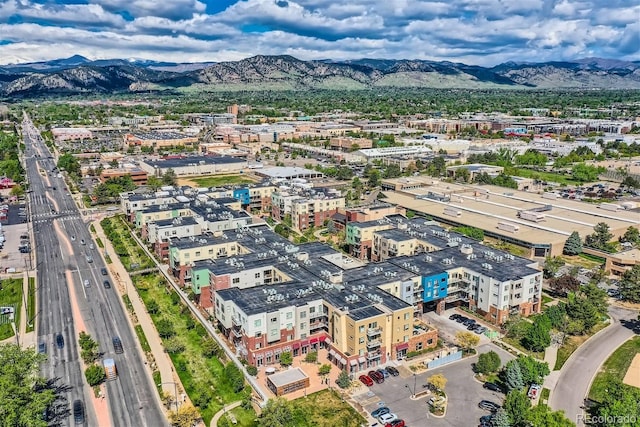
(62, 216)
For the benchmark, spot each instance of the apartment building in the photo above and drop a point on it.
(255, 198)
(138, 176)
(161, 231)
(160, 212)
(359, 237)
(159, 139)
(312, 212)
(131, 202)
(346, 143)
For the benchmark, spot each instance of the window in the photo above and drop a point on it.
(236, 280)
(274, 319)
(430, 341)
(257, 276)
(303, 314)
(210, 251)
(257, 323)
(361, 329)
(197, 253)
(406, 316)
(258, 345)
(312, 310)
(361, 340)
(419, 346)
(303, 325)
(289, 315)
(406, 327)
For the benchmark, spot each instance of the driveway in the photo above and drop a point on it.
(447, 329)
(463, 391)
(583, 365)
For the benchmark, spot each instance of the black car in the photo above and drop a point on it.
(393, 371)
(104, 271)
(106, 284)
(492, 387)
(78, 412)
(454, 316)
(117, 345)
(469, 322)
(42, 348)
(486, 421)
(60, 341)
(488, 405)
(461, 319)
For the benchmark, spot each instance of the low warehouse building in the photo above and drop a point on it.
(291, 380)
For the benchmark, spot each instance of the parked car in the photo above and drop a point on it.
(104, 271)
(486, 421)
(461, 319)
(387, 418)
(393, 371)
(492, 387)
(480, 330)
(366, 380)
(488, 405)
(534, 391)
(42, 348)
(377, 377)
(60, 341)
(383, 372)
(380, 411)
(106, 284)
(395, 423)
(454, 316)
(117, 345)
(87, 283)
(468, 322)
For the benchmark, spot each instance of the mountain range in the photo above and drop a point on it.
(78, 75)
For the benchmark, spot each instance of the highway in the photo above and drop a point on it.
(66, 306)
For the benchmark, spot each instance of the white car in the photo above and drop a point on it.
(534, 390)
(387, 418)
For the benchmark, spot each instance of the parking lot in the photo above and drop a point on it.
(463, 392)
(448, 328)
(11, 259)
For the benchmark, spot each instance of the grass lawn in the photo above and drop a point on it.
(572, 343)
(614, 369)
(544, 396)
(31, 304)
(515, 343)
(546, 299)
(217, 181)
(143, 339)
(10, 296)
(327, 409)
(196, 371)
(117, 230)
(545, 176)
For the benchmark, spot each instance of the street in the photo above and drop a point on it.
(66, 306)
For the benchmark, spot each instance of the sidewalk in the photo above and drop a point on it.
(162, 362)
(221, 412)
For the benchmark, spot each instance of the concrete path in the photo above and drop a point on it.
(120, 275)
(577, 374)
(221, 412)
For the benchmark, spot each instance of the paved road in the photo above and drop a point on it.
(578, 372)
(59, 231)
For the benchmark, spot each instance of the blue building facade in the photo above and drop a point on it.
(435, 287)
(242, 194)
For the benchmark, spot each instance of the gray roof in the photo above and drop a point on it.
(287, 377)
(193, 160)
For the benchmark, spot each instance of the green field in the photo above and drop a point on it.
(10, 296)
(117, 230)
(545, 176)
(614, 369)
(218, 181)
(31, 304)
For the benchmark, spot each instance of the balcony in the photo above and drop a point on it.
(373, 344)
(235, 321)
(237, 333)
(373, 355)
(372, 332)
(318, 314)
(317, 325)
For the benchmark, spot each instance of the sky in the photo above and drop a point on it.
(478, 32)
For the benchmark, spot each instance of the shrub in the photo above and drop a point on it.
(488, 363)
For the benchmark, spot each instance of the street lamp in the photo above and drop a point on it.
(175, 390)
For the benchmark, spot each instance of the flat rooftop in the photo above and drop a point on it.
(289, 376)
(287, 172)
(193, 160)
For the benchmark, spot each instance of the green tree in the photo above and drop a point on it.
(174, 345)
(324, 369)
(252, 370)
(600, 238)
(467, 340)
(374, 178)
(629, 286)
(472, 232)
(169, 177)
(564, 284)
(165, 328)
(557, 315)
(24, 395)
(488, 363)
(69, 163)
(512, 376)
(620, 403)
(153, 307)
(573, 245)
(95, 375)
(501, 419)
(586, 173)
(311, 357)
(154, 182)
(585, 308)
(233, 376)
(533, 371)
(343, 380)
(210, 347)
(17, 190)
(632, 235)
(286, 358)
(437, 167)
(541, 415)
(517, 406)
(463, 174)
(552, 265)
(277, 412)
(88, 348)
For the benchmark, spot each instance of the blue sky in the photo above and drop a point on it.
(482, 32)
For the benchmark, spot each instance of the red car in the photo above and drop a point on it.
(376, 376)
(395, 423)
(366, 380)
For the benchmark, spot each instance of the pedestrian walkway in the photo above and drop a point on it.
(162, 362)
(221, 412)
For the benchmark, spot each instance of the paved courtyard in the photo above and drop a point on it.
(463, 391)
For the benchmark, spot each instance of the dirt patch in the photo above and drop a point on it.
(632, 377)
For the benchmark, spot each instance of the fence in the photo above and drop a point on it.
(444, 360)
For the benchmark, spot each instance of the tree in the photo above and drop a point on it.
(169, 177)
(252, 370)
(533, 371)
(438, 381)
(17, 190)
(629, 286)
(600, 237)
(343, 380)
(620, 403)
(472, 232)
(488, 363)
(286, 358)
(551, 266)
(69, 163)
(585, 308)
(165, 328)
(501, 419)
(185, 416)
(95, 375)
(513, 376)
(153, 307)
(557, 315)
(24, 395)
(564, 284)
(541, 415)
(174, 345)
(233, 376)
(586, 173)
(573, 245)
(463, 174)
(374, 178)
(630, 181)
(88, 348)
(467, 340)
(277, 412)
(311, 357)
(517, 406)
(324, 369)
(154, 182)
(210, 347)
(632, 235)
